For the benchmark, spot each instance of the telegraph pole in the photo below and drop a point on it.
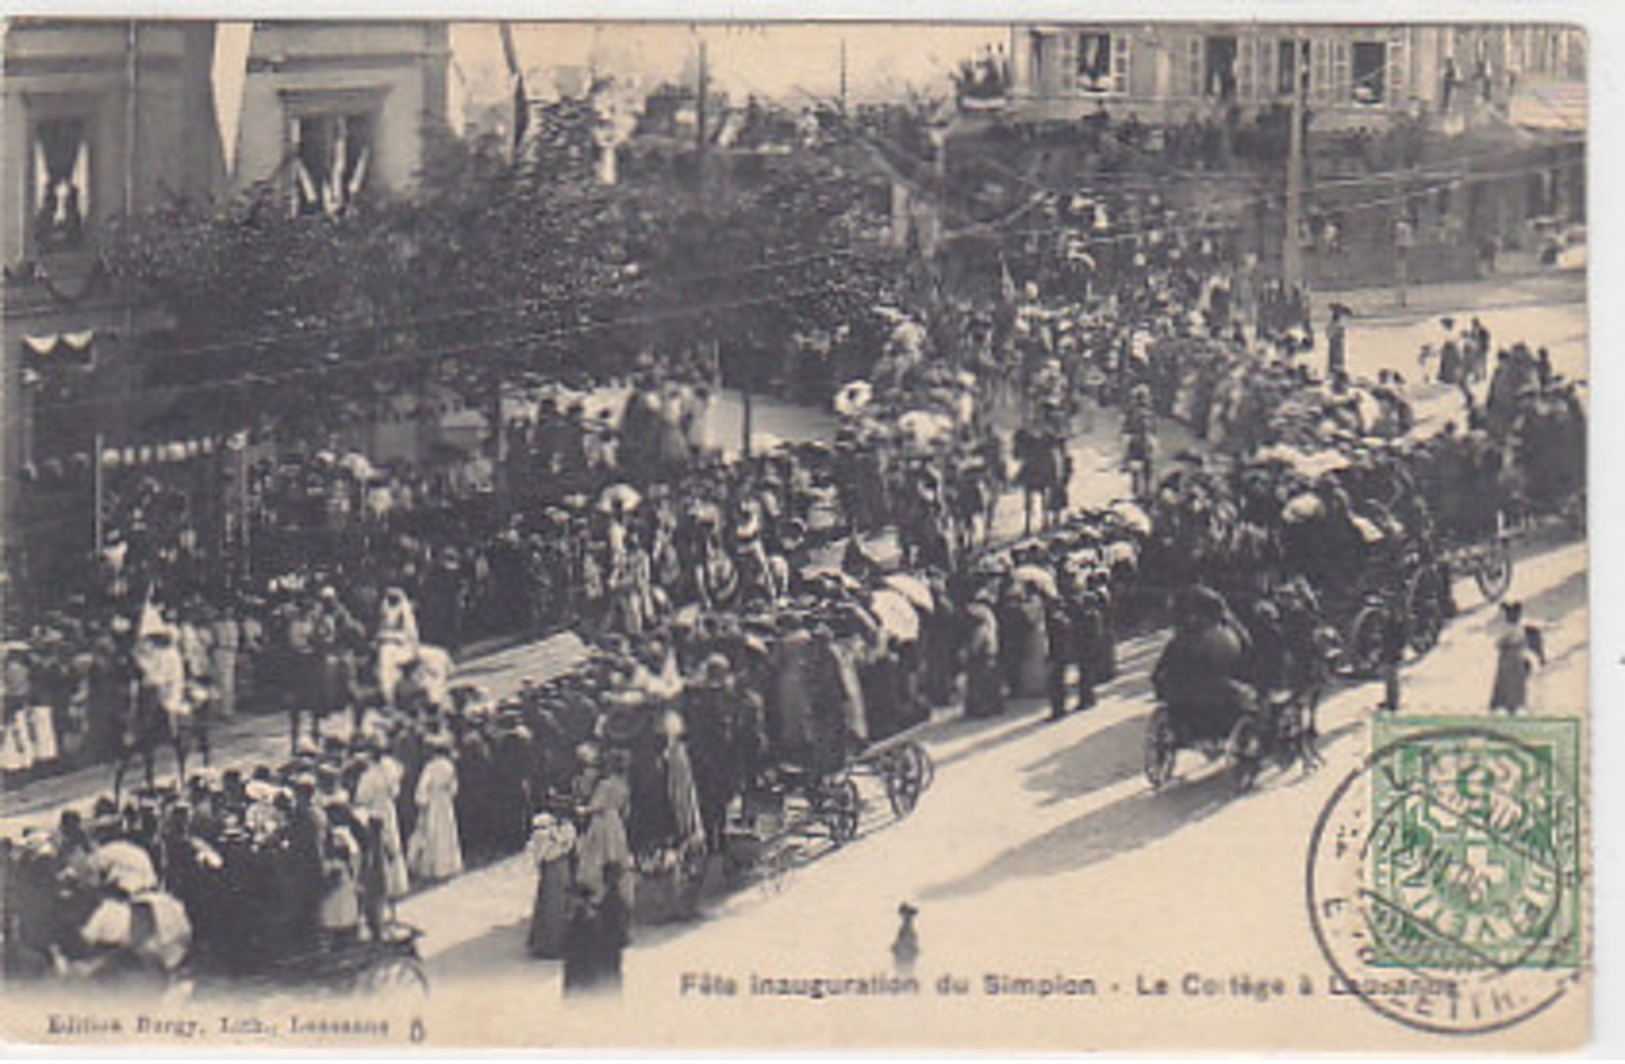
(1291, 247)
(701, 121)
(843, 77)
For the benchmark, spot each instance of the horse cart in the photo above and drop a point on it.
(797, 811)
(1278, 729)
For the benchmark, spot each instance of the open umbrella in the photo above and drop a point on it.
(619, 496)
(925, 426)
(1300, 508)
(1036, 577)
(1133, 517)
(124, 866)
(1369, 530)
(357, 465)
(896, 615)
(704, 512)
(853, 397)
(912, 588)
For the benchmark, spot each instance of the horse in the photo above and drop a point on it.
(155, 712)
(1044, 474)
(971, 500)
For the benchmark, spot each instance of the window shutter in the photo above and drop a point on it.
(1342, 83)
(1193, 55)
(1066, 65)
(1320, 70)
(1266, 67)
(1246, 68)
(1397, 61)
(1120, 60)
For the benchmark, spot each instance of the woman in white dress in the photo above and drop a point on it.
(435, 852)
(376, 792)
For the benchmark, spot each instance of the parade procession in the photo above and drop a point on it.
(643, 501)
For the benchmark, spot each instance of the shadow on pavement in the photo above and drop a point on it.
(1125, 825)
(1099, 759)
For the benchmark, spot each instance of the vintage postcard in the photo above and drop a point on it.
(795, 536)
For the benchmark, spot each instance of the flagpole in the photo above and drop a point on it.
(98, 489)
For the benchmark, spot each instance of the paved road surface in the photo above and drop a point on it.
(1038, 850)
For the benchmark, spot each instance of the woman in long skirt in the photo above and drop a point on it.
(552, 841)
(984, 684)
(435, 851)
(1515, 645)
(376, 792)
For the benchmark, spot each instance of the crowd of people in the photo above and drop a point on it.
(749, 624)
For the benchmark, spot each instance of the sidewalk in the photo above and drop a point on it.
(263, 737)
(1543, 286)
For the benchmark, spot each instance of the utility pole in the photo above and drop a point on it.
(701, 122)
(843, 77)
(1291, 246)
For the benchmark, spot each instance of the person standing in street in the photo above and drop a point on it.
(435, 852)
(1517, 646)
(1337, 360)
(1396, 637)
(1063, 645)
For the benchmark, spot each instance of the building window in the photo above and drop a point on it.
(332, 156)
(1286, 67)
(1370, 71)
(61, 182)
(1219, 68)
(1095, 62)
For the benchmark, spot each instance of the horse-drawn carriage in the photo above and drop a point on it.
(823, 766)
(387, 969)
(794, 811)
(1214, 696)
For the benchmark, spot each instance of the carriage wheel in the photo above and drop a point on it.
(904, 774)
(840, 810)
(1161, 748)
(926, 767)
(1247, 747)
(1363, 651)
(1493, 572)
(396, 978)
(1423, 607)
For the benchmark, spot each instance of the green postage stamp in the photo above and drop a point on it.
(1475, 856)
(1446, 877)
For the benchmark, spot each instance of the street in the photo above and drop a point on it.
(1027, 817)
(1024, 816)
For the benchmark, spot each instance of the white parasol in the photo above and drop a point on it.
(1133, 516)
(623, 495)
(912, 588)
(1309, 463)
(357, 465)
(925, 426)
(1037, 577)
(1369, 530)
(896, 615)
(1304, 507)
(124, 866)
(853, 397)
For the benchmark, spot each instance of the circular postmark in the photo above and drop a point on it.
(1443, 874)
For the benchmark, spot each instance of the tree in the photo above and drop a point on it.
(491, 268)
